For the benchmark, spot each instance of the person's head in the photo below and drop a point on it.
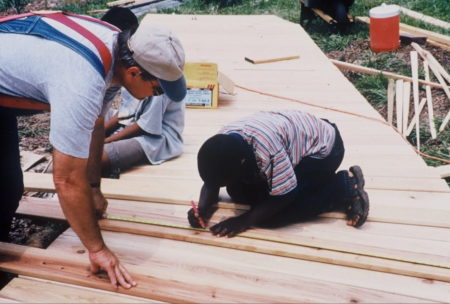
(151, 63)
(122, 18)
(220, 160)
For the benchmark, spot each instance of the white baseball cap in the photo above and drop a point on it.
(158, 51)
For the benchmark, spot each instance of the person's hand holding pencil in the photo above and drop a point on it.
(194, 218)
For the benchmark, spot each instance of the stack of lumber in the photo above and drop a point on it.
(399, 255)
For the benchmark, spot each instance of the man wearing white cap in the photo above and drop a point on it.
(76, 65)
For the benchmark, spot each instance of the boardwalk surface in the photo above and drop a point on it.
(400, 255)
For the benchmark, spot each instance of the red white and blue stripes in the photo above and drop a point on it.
(280, 139)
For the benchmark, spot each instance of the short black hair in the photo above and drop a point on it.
(122, 18)
(126, 55)
(219, 160)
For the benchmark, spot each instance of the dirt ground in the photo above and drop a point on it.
(35, 232)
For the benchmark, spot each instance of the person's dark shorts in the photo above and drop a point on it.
(123, 154)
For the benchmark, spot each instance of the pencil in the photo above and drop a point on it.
(199, 218)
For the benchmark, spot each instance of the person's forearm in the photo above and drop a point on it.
(94, 169)
(267, 208)
(112, 125)
(74, 195)
(132, 131)
(208, 197)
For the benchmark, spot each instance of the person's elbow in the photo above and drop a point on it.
(68, 171)
(64, 181)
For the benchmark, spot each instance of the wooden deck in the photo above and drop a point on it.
(400, 255)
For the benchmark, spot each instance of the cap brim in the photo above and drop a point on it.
(175, 90)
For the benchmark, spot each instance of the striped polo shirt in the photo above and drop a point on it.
(280, 139)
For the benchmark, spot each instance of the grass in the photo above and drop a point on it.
(374, 89)
(31, 131)
(83, 7)
(286, 9)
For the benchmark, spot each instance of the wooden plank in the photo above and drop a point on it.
(444, 171)
(429, 101)
(425, 18)
(225, 82)
(5, 300)
(415, 74)
(98, 11)
(390, 102)
(119, 3)
(255, 59)
(183, 191)
(400, 241)
(413, 120)
(369, 71)
(406, 102)
(399, 103)
(73, 270)
(243, 276)
(440, 45)
(29, 159)
(44, 291)
(435, 68)
(436, 64)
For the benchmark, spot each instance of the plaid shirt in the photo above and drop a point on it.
(279, 140)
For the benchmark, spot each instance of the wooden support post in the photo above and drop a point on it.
(438, 76)
(429, 101)
(399, 104)
(413, 121)
(390, 101)
(415, 75)
(406, 102)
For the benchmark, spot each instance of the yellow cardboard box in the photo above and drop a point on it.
(203, 88)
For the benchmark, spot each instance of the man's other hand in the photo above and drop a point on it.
(106, 260)
(100, 202)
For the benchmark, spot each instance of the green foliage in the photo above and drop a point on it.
(83, 7)
(439, 147)
(18, 5)
(374, 89)
(31, 131)
(286, 9)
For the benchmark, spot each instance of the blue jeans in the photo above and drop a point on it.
(319, 188)
(33, 25)
(11, 178)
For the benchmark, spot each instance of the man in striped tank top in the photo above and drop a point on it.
(283, 164)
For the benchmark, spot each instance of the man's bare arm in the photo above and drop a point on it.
(208, 197)
(129, 132)
(74, 194)
(94, 169)
(112, 124)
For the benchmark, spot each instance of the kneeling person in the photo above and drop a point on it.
(283, 164)
(152, 134)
